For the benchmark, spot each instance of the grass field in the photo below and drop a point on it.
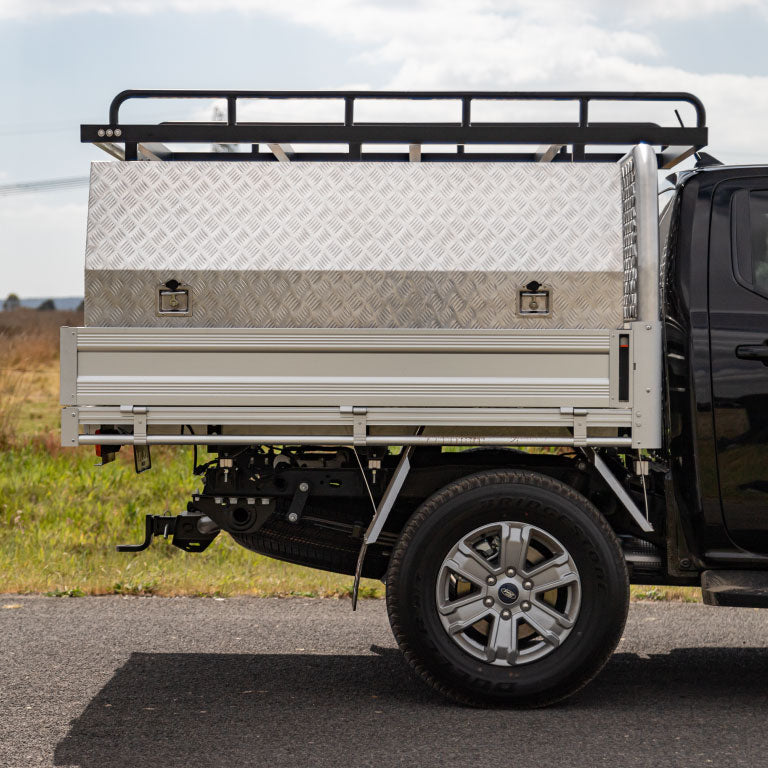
(60, 517)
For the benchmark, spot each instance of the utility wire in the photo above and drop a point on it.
(46, 185)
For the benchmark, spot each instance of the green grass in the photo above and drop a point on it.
(666, 594)
(60, 518)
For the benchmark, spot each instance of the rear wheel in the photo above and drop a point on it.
(507, 588)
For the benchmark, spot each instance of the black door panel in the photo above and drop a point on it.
(738, 316)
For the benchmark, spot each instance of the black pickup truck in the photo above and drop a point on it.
(497, 380)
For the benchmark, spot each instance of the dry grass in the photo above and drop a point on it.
(29, 339)
(60, 517)
(29, 356)
(10, 406)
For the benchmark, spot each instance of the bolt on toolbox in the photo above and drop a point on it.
(355, 245)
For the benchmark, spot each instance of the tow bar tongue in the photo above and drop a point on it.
(191, 532)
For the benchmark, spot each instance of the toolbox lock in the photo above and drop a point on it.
(534, 299)
(174, 299)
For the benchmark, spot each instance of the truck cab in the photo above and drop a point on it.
(715, 303)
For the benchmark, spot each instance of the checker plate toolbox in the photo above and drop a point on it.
(415, 283)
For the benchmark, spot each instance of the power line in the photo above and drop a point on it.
(45, 185)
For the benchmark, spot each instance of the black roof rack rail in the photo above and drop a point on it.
(558, 142)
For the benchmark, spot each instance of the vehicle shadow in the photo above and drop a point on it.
(232, 709)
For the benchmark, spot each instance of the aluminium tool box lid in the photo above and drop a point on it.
(415, 245)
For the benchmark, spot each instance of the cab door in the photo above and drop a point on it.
(738, 319)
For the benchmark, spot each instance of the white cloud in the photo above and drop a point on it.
(688, 9)
(42, 245)
(503, 45)
(652, 10)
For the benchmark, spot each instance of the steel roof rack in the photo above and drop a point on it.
(556, 141)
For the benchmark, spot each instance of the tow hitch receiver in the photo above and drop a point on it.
(191, 532)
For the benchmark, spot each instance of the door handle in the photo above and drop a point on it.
(753, 352)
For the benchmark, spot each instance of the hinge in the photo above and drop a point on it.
(360, 426)
(139, 422)
(579, 424)
(359, 422)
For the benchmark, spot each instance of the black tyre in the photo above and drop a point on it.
(507, 588)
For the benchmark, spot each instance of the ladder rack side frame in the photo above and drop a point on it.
(147, 141)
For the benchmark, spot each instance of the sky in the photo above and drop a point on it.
(62, 61)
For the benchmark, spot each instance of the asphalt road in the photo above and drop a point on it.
(132, 682)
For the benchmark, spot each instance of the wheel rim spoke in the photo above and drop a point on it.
(556, 583)
(564, 621)
(514, 546)
(553, 574)
(545, 623)
(450, 606)
(502, 640)
(464, 616)
(472, 564)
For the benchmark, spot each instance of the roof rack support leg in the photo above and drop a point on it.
(414, 153)
(110, 149)
(283, 152)
(153, 150)
(546, 154)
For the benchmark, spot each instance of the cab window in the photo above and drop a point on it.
(758, 220)
(749, 238)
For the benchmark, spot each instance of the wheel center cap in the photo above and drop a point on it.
(508, 593)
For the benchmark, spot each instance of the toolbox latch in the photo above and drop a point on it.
(534, 299)
(174, 299)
